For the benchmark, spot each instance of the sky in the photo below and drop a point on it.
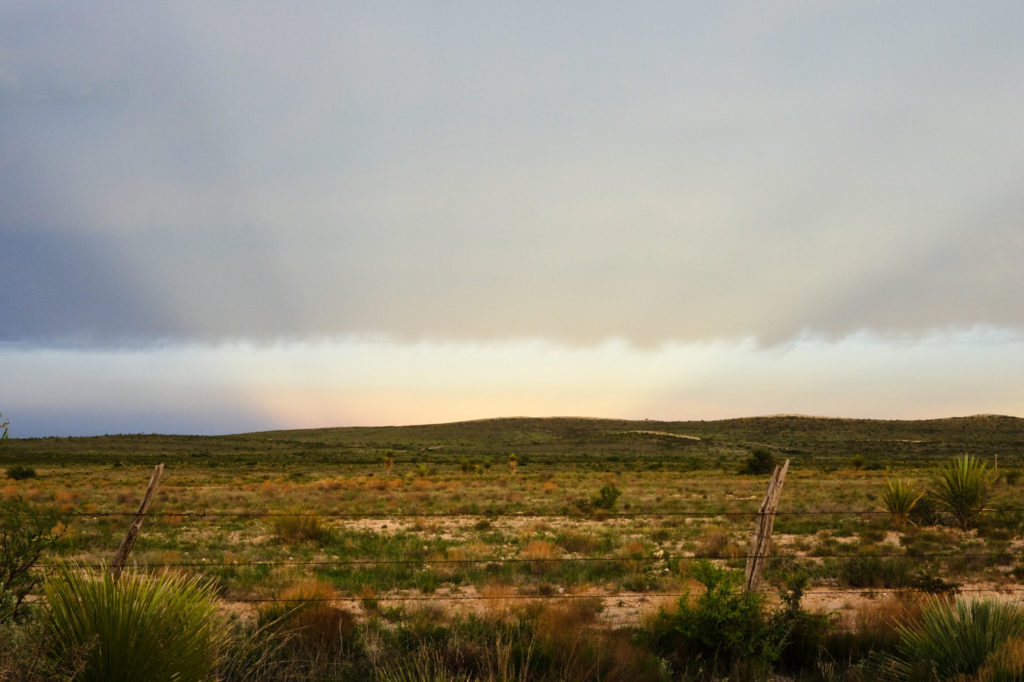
(231, 216)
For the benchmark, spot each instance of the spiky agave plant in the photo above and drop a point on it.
(164, 627)
(899, 497)
(955, 638)
(963, 486)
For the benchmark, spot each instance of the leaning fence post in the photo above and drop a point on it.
(763, 529)
(133, 530)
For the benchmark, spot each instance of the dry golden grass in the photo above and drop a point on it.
(715, 542)
(1006, 663)
(498, 598)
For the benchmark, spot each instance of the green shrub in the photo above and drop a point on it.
(23, 648)
(760, 461)
(955, 638)
(604, 500)
(725, 632)
(138, 628)
(806, 632)
(900, 495)
(963, 486)
(25, 533)
(926, 512)
(20, 472)
(606, 497)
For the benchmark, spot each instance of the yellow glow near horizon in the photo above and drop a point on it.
(340, 382)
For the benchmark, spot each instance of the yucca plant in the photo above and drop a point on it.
(165, 627)
(955, 638)
(963, 486)
(899, 496)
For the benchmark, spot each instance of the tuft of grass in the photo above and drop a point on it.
(963, 486)
(301, 527)
(541, 555)
(165, 627)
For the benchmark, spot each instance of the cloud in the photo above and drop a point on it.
(577, 173)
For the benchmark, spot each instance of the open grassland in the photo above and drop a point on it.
(482, 518)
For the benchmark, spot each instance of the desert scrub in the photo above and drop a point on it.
(165, 627)
(20, 472)
(26, 532)
(603, 501)
(724, 632)
(875, 571)
(760, 461)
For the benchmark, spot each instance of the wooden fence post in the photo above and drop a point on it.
(763, 529)
(136, 525)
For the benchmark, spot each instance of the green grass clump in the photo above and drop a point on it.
(956, 638)
(963, 486)
(138, 628)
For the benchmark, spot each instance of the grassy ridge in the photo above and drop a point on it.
(693, 444)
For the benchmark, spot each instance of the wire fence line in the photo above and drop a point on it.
(222, 517)
(491, 514)
(602, 597)
(204, 563)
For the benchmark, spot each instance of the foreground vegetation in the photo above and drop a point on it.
(533, 549)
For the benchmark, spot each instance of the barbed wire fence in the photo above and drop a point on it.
(224, 517)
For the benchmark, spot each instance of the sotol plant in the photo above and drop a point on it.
(963, 486)
(956, 638)
(899, 497)
(138, 628)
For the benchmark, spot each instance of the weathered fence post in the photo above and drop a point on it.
(133, 530)
(763, 529)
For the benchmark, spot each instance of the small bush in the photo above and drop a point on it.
(806, 633)
(926, 512)
(138, 628)
(20, 472)
(25, 533)
(606, 497)
(760, 461)
(604, 500)
(726, 631)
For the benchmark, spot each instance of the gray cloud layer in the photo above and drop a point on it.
(179, 171)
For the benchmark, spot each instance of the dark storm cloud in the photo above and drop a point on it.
(189, 171)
